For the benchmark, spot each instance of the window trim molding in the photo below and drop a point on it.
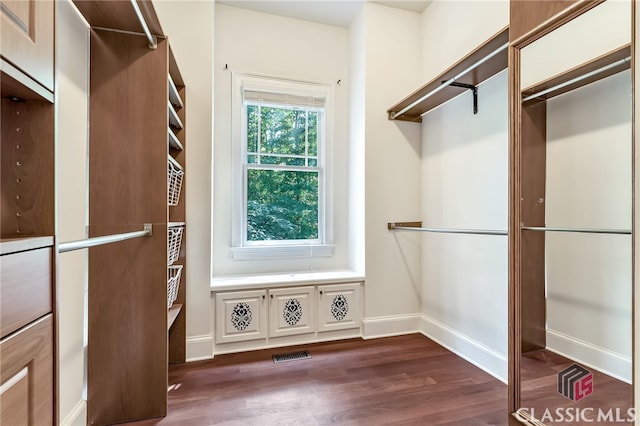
(241, 249)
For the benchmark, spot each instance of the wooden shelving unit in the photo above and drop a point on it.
(475, 77)
(177, 214)
(141, 89)
(28, 254)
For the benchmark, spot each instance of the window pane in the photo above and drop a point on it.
(283, 161)
(313, 134)
(313, 162)
(252, 128)
(282, 131)
(251, 159)
(282, 205)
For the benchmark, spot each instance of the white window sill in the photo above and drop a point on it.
(281, 252)
(247, 282)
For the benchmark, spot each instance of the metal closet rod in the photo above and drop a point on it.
(579, 230)
(577, 79)
(451, 80)
(393, 226)
(153, 41)
(106, 239)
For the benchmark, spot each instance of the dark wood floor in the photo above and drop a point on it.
(539, 390)
(405, 380)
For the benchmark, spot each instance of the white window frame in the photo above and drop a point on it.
(242, 249)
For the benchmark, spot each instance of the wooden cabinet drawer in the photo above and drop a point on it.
(25, 286)
(27, 37)
(26, 375)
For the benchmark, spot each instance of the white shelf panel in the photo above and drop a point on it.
(174, 142)
(174, 120)
(174, 96)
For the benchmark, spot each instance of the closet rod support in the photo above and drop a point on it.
(153, 41)
(474, 90)
(147, 231)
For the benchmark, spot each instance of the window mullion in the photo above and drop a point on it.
(306, 139)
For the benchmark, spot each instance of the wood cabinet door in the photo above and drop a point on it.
(27, 37)
(240, 315)
(26, 375)
(292, 311)
(339, 306)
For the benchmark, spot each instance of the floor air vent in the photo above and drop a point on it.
(292, 356)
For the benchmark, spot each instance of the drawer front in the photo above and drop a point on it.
(25, 285)
(26, 375)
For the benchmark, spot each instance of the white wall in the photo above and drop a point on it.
(261, 44)
(357, 103)
(452, 29)
(392, 168)
(589, 284)
(465, 185)
(72, 113)
(189, 25)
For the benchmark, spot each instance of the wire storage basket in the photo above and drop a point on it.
(173, 284)
(174, 240)
(174, 181)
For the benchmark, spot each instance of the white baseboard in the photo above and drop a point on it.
(394, 325)
(77, 416)
(477, 353)
(592, 356)
(199, 348)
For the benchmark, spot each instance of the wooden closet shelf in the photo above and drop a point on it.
(173, 313)
(174, 142)
(119, 15)
(476, 76)
(174, 96)
(14, 245)
(611, 63)
(16, 84)
(174, 120)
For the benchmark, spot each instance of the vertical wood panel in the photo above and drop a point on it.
(127, 351)
(128, 148)
(127, 347)
(532, 208)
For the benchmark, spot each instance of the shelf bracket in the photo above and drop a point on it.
(472, 88)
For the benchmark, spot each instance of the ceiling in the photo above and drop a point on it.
(330, 12)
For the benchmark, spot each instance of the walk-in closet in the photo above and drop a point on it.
(319, 212)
